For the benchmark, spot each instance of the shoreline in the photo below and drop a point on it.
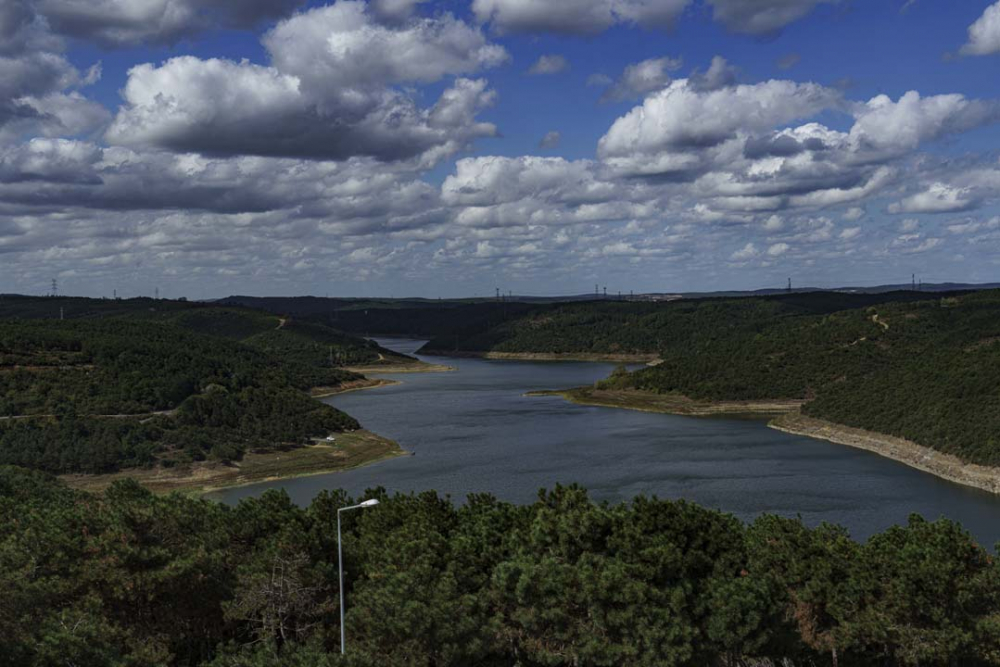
(785, 416)
(649, 359)
(907, 452)
(671, 404)
(347, 387)
(352, 450)
(400, 368)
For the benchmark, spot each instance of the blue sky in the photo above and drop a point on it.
(395, 147)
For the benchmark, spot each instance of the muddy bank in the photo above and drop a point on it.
(400, 367)
(910, 453)
(354, 385)
(673, 404)
(789, 419)
(650, 359)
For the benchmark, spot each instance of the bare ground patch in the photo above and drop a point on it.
(350, 450)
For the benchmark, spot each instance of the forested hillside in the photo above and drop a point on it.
(98, 385)
(129, 578)
(417, 318)
(101, 394)
(624, 327)
(903, 364)
(928, 371)
(270, 332)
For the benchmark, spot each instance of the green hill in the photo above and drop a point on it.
(623, 327)
(928, 371)
(96, 385)
(902, 364)
(99, 395)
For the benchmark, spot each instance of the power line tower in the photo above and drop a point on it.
(913, 282)
(605, 291)
(157, 293)
(55, 287)
(789, 289)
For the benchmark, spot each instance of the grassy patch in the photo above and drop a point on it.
(349, 451)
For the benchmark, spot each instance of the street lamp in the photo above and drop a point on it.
(340, 558)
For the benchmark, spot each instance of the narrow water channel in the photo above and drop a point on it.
(473, 430)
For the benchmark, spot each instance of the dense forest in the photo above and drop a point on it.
(118, 385)
(270, 332)
(637, 327)
(903, 364)
(928, 371)
(129, 578)
(608, 326)
(456, 320)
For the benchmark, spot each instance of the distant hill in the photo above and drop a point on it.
(313, 305)
(460, 319)
(251, 325)
(93, 385)
(899, 363)
(876, 289)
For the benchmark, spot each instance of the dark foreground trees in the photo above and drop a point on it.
(129, 578)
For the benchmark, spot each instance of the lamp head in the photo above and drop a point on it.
(369, 503)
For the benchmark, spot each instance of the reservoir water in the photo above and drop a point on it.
(473, 430)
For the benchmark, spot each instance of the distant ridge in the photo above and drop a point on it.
(325, 302)
(876, 289)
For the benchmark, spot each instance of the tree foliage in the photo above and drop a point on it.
(903, 364)
(96, 395)
(129, 578)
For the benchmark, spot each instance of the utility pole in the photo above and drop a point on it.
(340, 566)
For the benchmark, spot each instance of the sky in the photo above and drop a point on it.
(202, 148)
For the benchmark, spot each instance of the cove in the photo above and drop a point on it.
(473, 431)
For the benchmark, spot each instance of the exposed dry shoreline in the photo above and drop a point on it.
(904, 451)
(788, 418)
(673, 404)
(650, 359)
(351, 450)
(408, 367)
(356, 385)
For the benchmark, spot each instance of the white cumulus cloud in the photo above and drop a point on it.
(984, 34)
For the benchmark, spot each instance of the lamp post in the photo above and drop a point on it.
(340, 559)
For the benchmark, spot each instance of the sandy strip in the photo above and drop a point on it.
(904, 451)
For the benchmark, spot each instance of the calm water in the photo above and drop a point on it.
(473, 430)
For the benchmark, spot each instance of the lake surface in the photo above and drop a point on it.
(473, 430)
